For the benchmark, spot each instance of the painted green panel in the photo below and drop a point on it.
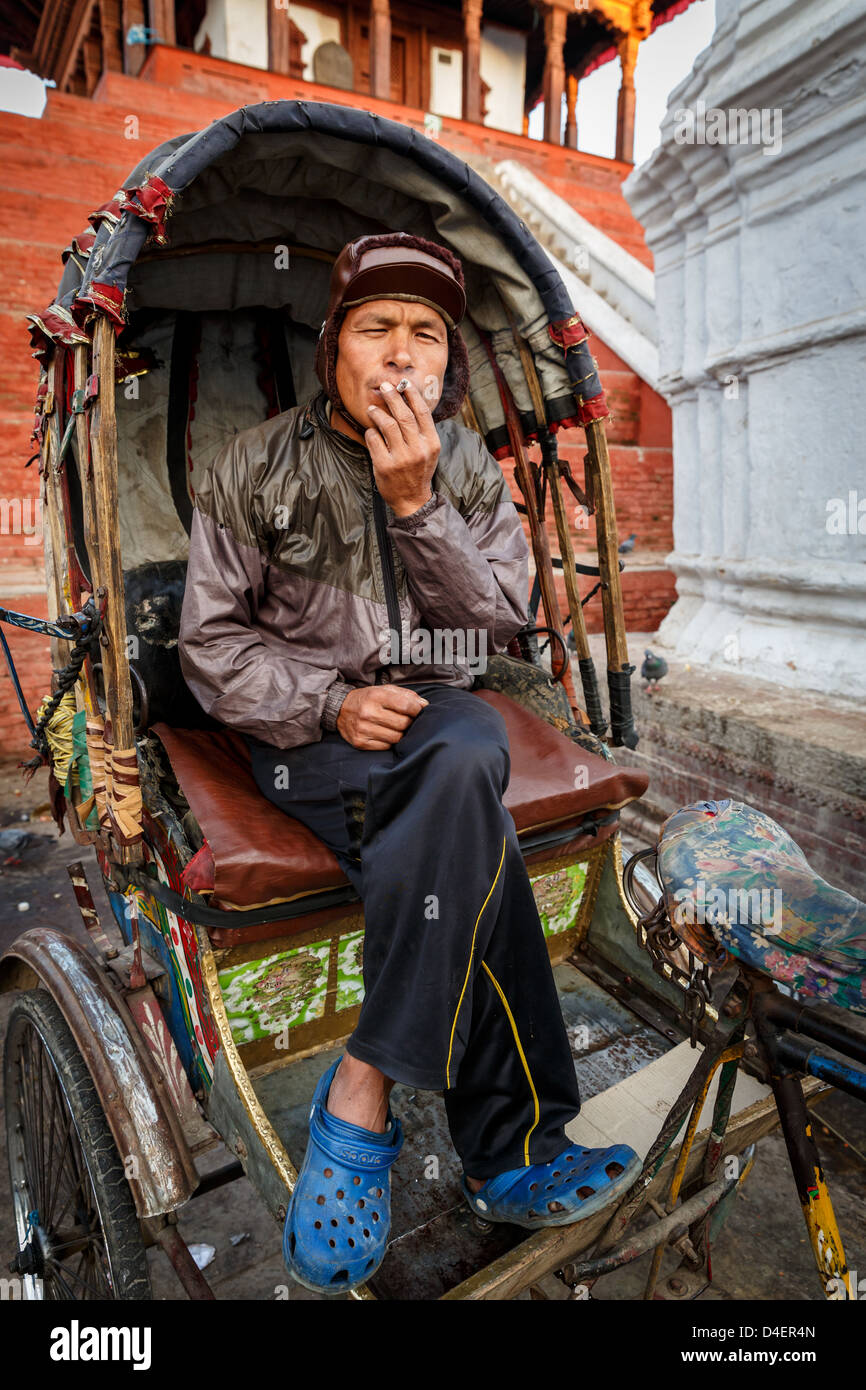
(279, 991)
(558, 897)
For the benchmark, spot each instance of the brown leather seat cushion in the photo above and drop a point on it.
(261, 855)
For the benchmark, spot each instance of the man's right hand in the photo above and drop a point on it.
(377, 716)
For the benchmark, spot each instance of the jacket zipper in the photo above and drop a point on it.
(387, 562)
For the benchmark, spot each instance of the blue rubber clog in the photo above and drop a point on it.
(581, 1181)
(339, 1215)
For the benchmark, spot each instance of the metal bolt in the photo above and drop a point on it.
(676, 1285)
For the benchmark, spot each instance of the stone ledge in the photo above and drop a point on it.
(799, 757)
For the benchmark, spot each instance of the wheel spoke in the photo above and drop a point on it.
(54, 1093)
(56, 1280)
(25, 1101)
(55, 1088)
(78, 1189)
(53, 1187)
(55, 1267)
(70, 1239)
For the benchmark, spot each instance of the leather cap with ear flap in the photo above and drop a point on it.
(397, 265)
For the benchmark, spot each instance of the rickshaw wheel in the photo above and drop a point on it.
(78, 1234)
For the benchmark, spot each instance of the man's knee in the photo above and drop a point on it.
(470, 745)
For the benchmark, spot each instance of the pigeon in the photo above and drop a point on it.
(14, 844)
(652, 671)
(627, 545)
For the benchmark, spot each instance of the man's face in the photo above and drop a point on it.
(386, 340)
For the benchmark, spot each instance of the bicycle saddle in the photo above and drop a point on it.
(732, 870)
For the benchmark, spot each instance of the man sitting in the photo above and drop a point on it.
(331, 549)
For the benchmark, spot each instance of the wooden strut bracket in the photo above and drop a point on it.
(123, 792)
(619, 670)
(94, 728)
(537, 530)
(550, 463)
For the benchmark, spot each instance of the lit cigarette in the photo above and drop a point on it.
(403, 383)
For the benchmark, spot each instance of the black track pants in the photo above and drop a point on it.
(459, 992)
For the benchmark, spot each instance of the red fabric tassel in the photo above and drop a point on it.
(596, 409)
(80, 245)
(151, 202)
(105, 298)
(53, 325)
(567, 332)
(107, 212)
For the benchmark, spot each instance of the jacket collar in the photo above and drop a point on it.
(349, 449)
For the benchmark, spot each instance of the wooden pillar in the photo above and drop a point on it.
(472, 61)
(570, 140)
(380, 49)
(554, 72)
(112, 36)
(628, 47)
(162, 21)
(134, 54)
(91, 52)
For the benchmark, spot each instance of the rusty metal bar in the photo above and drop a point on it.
(184, 1265)
(668, 1231)
(730, 1054)
(84, 898)
(220, 1178)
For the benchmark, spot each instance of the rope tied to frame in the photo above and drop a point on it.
(89, 627)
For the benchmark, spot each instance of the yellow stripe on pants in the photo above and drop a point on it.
(519, 1045)
(469, 967)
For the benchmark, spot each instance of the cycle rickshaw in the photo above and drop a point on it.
(233, 963)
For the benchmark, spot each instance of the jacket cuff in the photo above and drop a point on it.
(336, 695)
(412, 522)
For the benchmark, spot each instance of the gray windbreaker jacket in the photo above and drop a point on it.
(299, 573)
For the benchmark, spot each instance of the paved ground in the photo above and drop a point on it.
(762, 1254)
